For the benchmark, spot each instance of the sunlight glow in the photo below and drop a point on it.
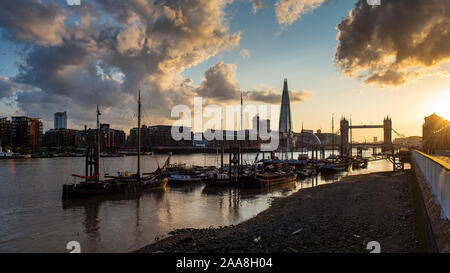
(440, 104)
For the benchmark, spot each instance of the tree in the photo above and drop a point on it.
(20, 149)
(43, 152)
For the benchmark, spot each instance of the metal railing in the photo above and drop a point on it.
(437, 175)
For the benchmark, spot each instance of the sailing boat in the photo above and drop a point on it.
(140, 181)
(123, 183)
(92, 185)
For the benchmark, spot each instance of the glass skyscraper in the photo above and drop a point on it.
(285, 112)
(60, 120)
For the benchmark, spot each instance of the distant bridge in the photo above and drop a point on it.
(373, 144)
(346, 133)
(366, 126)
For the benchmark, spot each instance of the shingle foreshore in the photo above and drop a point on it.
(338, 217)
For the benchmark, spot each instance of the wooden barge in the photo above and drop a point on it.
(120, 184)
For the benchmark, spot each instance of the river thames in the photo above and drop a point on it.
(35, 219)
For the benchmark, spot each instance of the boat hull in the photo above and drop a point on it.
(175, 180)
(217, 182)
(155, 184)
(268, 181)
(86, 190)
(71, 191)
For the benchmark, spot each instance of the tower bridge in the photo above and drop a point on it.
(346, 128)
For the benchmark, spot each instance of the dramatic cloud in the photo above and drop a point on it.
(257, 4)
(33, 21)
(101, 53)
(7, 87)
(288, 11)
(220, 83)
(395, 42)
(219, 86)
(245, 54)
(273, 96)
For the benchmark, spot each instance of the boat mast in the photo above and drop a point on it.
(221, 142)
(242, 102)
(351, 138)
(332, 134)
(302, 142)
(97, 163)
(88, 158)
(139, 137)
(242, 132)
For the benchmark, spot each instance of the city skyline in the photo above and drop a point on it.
(74, 60)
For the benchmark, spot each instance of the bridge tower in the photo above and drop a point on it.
(344, 137)
(387, 128)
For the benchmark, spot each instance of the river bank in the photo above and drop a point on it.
(338, 217)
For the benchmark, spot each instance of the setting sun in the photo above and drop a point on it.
(440, 104)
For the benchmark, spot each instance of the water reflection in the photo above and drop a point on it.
(91, 208)
(181, 187)
(34, 219)
(330, 177)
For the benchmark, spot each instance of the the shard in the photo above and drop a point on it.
(285, 112)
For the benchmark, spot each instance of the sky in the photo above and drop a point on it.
(341, 59)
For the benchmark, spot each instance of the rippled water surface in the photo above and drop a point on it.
(33, 217)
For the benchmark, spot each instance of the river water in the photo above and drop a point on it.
(33, 218)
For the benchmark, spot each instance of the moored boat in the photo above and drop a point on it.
(340, 167)
(217, 179)
(124, 182)
(267, 179)
(183, 178)
(91, 188)
(359, 163)
(92, 184)
(270, 176)
(143, 181)
(326, 167)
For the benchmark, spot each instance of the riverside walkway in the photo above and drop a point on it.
(433, 176)
(444, 158)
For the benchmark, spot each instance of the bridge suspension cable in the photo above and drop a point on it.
(397, 133)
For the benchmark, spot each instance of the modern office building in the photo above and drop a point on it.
(60, 138)
(158, 136)
(285, 126)
(60, 120)
(161, 135)
(27, 132)
(113, 139)
(287, 141)
(5, 132)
